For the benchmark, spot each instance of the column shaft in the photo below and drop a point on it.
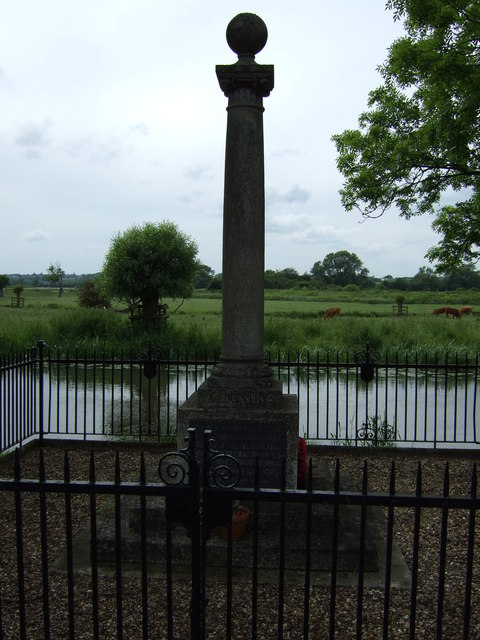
(243, 229)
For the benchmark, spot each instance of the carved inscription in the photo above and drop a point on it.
(245, 441)
(241, 399)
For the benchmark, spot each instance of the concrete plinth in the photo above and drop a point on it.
(249, 418)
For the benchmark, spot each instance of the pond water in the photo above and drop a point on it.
(408, 406)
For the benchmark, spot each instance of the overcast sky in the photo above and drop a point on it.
(111, 115)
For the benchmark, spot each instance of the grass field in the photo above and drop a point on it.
(293, 322)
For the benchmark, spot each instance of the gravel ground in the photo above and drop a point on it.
(433, 467)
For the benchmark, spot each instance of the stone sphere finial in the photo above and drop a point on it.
(246, 34)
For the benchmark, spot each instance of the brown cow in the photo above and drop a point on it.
(466, 311)
(440, 311)
(333, 311)
(447, 311)
(451, 311)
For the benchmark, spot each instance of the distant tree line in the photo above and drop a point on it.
(339, 269)
(345, 269)
(40, 280)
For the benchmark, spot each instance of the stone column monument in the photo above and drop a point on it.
(241, 402)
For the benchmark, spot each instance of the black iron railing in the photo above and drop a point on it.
(99, 558)
(356, 400)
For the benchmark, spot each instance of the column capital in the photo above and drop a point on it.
(257, 77)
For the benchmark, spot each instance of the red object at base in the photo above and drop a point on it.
(301, 463)
(239, 522)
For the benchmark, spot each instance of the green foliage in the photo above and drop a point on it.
(340, 268)
(284, 278)
(425, 280)
(4, 281)
(17, 290)
(91, 296)
(459, 227)
(420, 135)
(203, 276)
(375, 432)
(148, 263)
(293, 323)
(55, 275)
(77, 329)
(216, 283)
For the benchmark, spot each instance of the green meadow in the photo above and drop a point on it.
(293, 324)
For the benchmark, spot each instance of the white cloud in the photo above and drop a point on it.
(285, 153)
(33, 137)
(198, 172)
(294, 194)
(191, 196)
(5, 80)
(305, 229)
(140, 128)
(99, 148)
(37, 235)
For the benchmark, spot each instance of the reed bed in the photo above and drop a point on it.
(291, 326)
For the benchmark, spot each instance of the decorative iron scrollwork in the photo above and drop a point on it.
(367, 432)
(174, 467)
(222, 469)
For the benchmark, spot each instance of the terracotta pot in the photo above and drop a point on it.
(239, 522)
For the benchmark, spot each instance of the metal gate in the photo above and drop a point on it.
(198, 497)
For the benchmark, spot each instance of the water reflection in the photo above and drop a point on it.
(417, 405)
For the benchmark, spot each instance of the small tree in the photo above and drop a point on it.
(4, 282)
(17, 290)
(149, 262)
(55, 275)
(399, 299)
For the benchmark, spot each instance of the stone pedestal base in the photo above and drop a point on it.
(249, 416)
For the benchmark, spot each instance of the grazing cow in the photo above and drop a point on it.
(447, 311)
(466, 311)
(439, 311)
(451, 311)
(333, 311)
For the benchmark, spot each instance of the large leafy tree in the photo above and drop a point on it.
(420, 136)
(340, 268)
(203, 276)
(425, 280)
(148, 263)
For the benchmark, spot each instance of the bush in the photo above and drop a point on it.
(90, 296)
(74, 327)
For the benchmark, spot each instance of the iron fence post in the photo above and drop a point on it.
(197, 604)
(41, 365)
